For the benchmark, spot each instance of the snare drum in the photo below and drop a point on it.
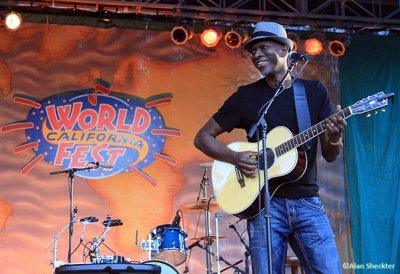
(169, 244)
(166, 268)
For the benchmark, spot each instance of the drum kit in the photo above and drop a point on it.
(165, 244)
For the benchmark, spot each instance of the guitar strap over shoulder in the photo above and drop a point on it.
(301, 105)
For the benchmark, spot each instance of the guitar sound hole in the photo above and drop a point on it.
(270, 159)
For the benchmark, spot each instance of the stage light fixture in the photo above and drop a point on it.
(104, 16)
(313, 46)
(181, 34)
(13, 20)
(235, 38)
(210, 37)
(338, 46)
(293, 36)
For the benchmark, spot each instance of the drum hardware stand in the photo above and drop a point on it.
(238, 270)
(147, 245)
(96, 242)
(71, 176)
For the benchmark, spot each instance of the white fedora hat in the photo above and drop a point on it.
(269, 30)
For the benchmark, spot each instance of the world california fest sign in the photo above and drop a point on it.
(78, 128)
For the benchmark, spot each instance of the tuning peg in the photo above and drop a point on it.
(376, 112)
(383, 110)
(368, 115)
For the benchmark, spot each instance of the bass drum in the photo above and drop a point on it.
(166, 268)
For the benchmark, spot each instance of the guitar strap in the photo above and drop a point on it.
(302, 111)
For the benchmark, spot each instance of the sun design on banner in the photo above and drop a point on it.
(79, 128)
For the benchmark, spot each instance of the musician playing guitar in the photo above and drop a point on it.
(298, 217)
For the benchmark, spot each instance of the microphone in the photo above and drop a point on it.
(177, 219)
(297, 56)
(104, 165)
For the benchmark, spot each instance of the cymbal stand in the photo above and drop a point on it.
(55, 262)
(204, 183)
(217, 216)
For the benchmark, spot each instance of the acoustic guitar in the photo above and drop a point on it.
(238, 195)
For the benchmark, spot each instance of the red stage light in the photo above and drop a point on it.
(235, 38)
(181, 34)
(313, 46)
(210, 37)
(336, 48)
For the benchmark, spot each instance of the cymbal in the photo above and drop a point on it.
(206, 165)
(201, 206)
(205, 238)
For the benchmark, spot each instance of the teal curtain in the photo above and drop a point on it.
(372, 64)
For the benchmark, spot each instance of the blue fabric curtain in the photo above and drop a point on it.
(372, 64)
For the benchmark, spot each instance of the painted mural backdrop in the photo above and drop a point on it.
(74, 97)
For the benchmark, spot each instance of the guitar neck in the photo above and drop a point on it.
(309, 134)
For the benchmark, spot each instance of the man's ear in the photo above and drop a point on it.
(284, 50)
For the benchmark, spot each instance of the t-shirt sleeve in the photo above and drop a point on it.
(229, 114)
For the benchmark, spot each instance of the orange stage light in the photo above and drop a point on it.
(313, 46)
(210, 37)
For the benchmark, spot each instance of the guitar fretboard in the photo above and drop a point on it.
(308, 134)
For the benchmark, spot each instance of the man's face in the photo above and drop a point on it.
(269, 57)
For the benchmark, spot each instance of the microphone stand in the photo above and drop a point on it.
(246, 253)
(71, 176)
(261, 125)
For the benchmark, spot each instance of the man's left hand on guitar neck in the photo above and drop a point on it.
(332, 139)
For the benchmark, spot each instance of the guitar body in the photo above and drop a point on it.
(241, 200)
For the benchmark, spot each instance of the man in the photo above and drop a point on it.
(298, 217)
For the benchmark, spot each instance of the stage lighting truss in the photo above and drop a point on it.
(12, 20)
(338, 46)
(181, 34)
(235, 38)
(210, 37)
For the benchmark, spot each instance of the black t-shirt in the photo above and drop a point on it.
(241, 110)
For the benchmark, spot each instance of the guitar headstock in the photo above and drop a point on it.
(372, 102)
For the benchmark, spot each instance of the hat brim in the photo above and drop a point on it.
(280, 40)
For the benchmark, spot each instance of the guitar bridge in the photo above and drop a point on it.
(239, 177)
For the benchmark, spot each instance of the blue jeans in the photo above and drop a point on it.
(304, 225)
